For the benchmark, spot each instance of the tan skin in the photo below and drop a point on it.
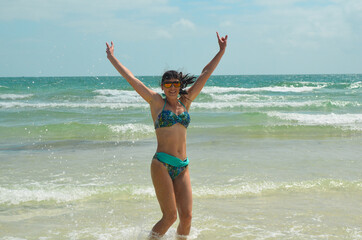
(174, 196)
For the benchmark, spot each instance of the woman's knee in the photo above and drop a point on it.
(186, 217)
(170, 217)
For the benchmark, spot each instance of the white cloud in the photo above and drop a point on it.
(128, 19)
(276, 3)
(184, 23)
(60, 9)
(286, 25)
(266, 30)
(226, 23)
(161, 33)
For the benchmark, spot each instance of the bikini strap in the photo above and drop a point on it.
(183, 105)
(164, 105)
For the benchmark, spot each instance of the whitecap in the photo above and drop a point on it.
(236, 97)
(230, 104)
(72, 105)
(117, 96)
(132, 128)
(239, 188)
(236, 187)
(214, 89)
(112, 92)
(355, 85)
(19, 195)
(15, 96)
(319, 119)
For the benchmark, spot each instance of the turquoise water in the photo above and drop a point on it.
(271, 157)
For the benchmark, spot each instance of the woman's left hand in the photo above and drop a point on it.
(222, 41)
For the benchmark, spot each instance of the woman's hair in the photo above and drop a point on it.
(184, 79)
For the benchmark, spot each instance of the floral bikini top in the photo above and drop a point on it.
(168, 118)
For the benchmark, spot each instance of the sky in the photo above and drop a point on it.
(67, 37)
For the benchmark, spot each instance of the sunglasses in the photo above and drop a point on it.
(169, 84)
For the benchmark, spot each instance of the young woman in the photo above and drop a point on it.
(169, 171)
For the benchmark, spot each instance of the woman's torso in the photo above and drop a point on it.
(171, 128)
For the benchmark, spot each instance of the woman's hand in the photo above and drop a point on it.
(222, 41)
(110, 49)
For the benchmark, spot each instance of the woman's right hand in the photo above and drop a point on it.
(110, 49)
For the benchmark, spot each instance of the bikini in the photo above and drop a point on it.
(168, 118)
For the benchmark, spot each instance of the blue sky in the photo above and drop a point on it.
(67, 37)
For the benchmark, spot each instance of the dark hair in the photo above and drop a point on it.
(184, 79)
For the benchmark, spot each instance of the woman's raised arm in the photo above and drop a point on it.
(146, 93)
(196, 88)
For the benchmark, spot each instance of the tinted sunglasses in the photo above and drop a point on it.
(169, 84)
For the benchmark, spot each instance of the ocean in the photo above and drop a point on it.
(271, 157)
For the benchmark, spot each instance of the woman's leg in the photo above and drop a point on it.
(183, 192)
(165, 195)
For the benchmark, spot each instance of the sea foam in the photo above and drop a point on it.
(72, 105)
(215, 89)
(269, 104)
(14, 96)
(121, 96)
(131, 128)
(42, 193)
(319, 119)
(356, 85)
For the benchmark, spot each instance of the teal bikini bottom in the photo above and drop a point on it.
(173, 164)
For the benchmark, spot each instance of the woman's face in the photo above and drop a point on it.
(171, 87)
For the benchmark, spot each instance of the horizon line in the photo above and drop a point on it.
(261, 74)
